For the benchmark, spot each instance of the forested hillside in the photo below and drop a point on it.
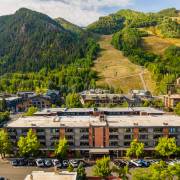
(30, 41)
(131, 36)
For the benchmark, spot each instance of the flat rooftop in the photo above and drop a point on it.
(149, 110)
(39, 175)
(86, 121)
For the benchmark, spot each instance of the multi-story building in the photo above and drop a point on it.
(97, 133)
(170, 101)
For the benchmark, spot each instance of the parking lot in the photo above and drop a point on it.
(18, 172)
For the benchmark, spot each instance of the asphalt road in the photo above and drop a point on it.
(18, 173)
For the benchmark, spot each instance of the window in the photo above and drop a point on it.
(39, 130)
(113, 143)
(69, 130)
(128, 130)
(112, 130)
(173, 130)
(41, 137)
(70, 143)
(84, 143)
(143, 136)
(127, 143)
(69, 137)
(157, 136)
(158, 130)
(54, 131)
(143, 130)
(84, 137)
(127, 136)
(113, 137)
(84, 130)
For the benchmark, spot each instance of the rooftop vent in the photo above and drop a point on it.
(56, 119)
(165, 124)
(135, 124)
(33, 124)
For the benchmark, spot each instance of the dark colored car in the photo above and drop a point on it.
(14, 162)
(144, 163)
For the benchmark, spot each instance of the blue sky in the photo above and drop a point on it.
(84, 12)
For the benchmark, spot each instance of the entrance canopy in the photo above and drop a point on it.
(99, 151)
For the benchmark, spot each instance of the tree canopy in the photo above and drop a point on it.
(166, 146)
(136, 149)
(5, 144)
(102, 168)
(28, 145)
(61, 148)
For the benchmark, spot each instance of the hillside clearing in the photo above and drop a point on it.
(157, 44)
(117, 71)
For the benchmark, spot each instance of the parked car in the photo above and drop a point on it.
(143, 163)
(14, 162)
(22, 162)
(136, 163)
(74, 163)
(31, 162)
(47, 163)
(56, 163)
(39, 162)
(2, 178)
(65, 163)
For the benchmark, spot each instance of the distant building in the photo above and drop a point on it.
(141, 94)
(53, 95)
(41, 175)
(12, 102)
(39, 101)
(171, 100)
(101, 97)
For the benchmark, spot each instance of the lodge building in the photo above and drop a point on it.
(108, 130)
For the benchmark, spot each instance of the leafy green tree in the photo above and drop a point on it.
(4, 116)
(157, 171)
(166, 146)
(61, 148)
(73, 100)
(81, 172)
(121, 171)
(3, 105)
(28, 145)
(177, 109)
(70, 168)
(5, 143)
(136, 149)
(102, 167)
(31, 111)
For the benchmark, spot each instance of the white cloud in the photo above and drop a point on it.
(80, 12)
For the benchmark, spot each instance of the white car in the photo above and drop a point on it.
(39, 162)
(56, 163)
(74, 163)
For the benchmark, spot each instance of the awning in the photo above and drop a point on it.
(98, 151)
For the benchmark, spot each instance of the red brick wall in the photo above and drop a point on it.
(91, 137)
(136, 133)
(62, 133)
(165, 132)
(99, 136)
(107, 136)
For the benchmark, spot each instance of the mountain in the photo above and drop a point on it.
(30, 41)
(127, 17)
(69, 26)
